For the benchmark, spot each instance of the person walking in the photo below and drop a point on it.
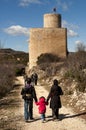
(25, 79)
(42, 107)
(34, 78)
(28, 94)
(55, 102)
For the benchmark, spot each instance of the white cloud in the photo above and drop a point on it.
(71, 33)
(69, 25)
(17, 30)
(70, 28)
(78, 42)
(27, 2)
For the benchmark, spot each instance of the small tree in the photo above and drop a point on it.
(80, 47)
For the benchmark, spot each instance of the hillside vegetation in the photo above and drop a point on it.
(11, 64)
(71, 74)
(74, 67)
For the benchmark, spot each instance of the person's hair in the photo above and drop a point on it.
(28, 80)
(55, 82)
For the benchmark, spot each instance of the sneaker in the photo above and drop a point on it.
(31, 119)
(26, 120)
(43, 121)
(53, 118)
(57, 119)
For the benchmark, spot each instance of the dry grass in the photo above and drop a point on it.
(10, 62)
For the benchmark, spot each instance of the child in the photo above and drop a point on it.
(42, 107)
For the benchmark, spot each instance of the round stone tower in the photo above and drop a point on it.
(52, 21)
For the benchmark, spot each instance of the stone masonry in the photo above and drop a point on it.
(50, 39)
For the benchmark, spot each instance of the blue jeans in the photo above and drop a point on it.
(43, 116)
(28, 109)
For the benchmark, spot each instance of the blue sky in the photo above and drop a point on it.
(18, 16)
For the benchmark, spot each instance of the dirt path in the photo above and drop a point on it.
(11, 114)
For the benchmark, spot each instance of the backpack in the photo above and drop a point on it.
(26, 93)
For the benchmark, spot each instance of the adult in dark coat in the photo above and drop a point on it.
(28, 94)
(25, 79)
(55, 102)
(34, 78)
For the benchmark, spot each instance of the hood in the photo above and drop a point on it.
(42, 99)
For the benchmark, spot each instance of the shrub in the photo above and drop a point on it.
(75, 65)
(11, 64)
(80, 47)
(7, 75)
(20, 71)
(47, 58)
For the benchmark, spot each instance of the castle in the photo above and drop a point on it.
(52, 38)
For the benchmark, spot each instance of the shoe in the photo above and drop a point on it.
(43, 121)
(26, 120)
(53, 118)
(31, 119)
(57, 119)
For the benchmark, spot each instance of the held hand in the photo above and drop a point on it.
(47, 102)
(36, 103)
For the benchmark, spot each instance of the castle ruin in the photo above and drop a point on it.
(52, 38)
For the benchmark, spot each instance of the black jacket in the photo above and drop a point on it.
(28, 93)
(54, 95)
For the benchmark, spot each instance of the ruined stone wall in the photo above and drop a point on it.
(47, 40)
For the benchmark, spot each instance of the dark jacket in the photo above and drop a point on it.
(28, 93)
(54, 95)
(34, 77)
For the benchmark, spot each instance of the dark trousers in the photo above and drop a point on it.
(55, 113)
(35, 81)
(28, 109)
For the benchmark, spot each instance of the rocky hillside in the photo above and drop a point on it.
(13, 56)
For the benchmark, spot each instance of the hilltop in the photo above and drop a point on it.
(13, 56)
